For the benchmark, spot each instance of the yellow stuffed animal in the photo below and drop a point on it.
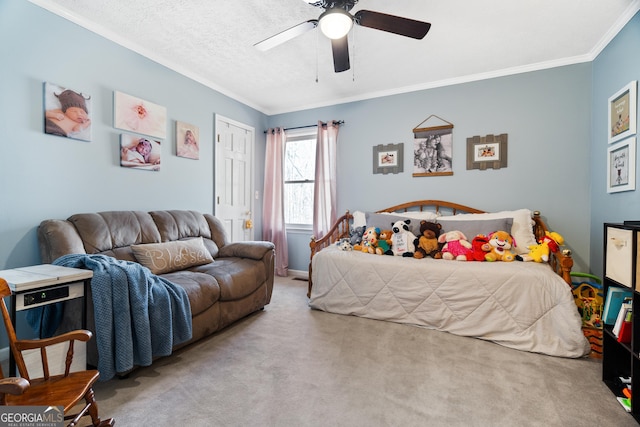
(369, 241)
(501, 243)
(540, 253)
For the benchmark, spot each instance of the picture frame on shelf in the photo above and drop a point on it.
(486, 152)
(622, 113)
(388, 158)
(621, 166)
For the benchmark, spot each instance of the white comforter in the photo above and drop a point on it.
(522, 305)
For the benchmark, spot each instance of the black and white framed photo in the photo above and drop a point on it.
(621, 166)
(622, 113)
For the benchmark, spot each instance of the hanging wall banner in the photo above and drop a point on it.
(432, 148)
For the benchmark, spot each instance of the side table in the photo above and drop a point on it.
(45, 284)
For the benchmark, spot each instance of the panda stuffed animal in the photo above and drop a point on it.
(402, 239)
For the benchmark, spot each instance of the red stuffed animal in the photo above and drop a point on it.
(480, 246)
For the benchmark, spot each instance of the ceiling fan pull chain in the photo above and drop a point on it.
(317, 54)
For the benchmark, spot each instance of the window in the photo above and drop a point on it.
(299, 175)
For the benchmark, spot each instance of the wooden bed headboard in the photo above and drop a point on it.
(561, 261)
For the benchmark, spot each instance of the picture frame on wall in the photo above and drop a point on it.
(187, 140)
(139, 152)
(140, 116)
(67, 112)
(433, 148)
(388, 158)
(621, 166)
(623, 112)
(486, 152)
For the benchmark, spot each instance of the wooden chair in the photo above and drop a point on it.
(66, 390)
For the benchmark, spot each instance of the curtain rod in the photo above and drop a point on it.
(337, 122)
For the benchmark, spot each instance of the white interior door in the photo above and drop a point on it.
(234, 177)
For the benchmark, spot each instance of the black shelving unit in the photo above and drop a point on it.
(620, 270)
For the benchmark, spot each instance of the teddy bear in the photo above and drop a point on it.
(369, 240)
(402, 239)
(540, 253)
(385, 242)
(480, 246)
(456, 246)
(427, 244)
(501, 243)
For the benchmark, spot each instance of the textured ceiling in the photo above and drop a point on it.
(212, 42)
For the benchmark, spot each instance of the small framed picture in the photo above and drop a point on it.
(139, 152)
(487, 152)
(621, 166)
(187, 140)
(622, 113)
(388, 158)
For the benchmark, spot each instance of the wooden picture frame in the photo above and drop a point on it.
(388, 158)
(623, 112)
(621, 166)
(486, 152)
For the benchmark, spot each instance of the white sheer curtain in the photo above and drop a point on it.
(325, 198)
(273, 225)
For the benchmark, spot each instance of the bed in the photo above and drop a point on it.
(522, 305)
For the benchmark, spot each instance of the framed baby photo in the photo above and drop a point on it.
(388, 158)
(621, 166)
(139, 152)
(622, 113)
(487, 152)
(187, 140)
(140, 116)
(67, 112)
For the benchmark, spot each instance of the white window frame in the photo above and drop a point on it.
(292, 136)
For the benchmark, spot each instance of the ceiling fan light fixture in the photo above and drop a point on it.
(335, 23)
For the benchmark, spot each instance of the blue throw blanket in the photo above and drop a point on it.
(138, 315)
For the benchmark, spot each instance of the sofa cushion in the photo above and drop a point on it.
(105, 231)
(202, 289)
(237, 277)
(172, 256)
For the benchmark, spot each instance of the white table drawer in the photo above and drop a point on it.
(619, 259)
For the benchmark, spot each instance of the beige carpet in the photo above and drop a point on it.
(292, 366)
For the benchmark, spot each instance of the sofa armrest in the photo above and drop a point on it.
(57, 238)
(248, 249)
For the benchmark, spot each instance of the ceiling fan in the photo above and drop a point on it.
(336, 22)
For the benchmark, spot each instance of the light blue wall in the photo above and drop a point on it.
(555, 120)
(546, 115)
(44, 176)
(614, 68)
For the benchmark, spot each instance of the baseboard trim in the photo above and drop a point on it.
(299, 274)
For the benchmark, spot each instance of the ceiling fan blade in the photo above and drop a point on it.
(286, 35)
(340, 49)
(392, 24)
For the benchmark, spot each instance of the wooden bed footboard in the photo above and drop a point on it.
(561, 262)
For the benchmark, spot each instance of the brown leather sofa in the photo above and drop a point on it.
(237, 283)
